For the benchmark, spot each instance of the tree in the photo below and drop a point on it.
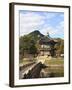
(32, 48)
(60, 47)
(27, 46)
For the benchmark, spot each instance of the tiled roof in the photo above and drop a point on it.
(46, 41)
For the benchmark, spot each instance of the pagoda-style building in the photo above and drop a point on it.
(47, 46)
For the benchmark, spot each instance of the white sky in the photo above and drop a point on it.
(51, 22)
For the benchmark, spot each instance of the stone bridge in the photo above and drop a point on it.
(33, 71)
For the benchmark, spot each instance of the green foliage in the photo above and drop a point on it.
(33, 49)
(60, 46)
(28, 43)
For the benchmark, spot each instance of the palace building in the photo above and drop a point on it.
(47, 46)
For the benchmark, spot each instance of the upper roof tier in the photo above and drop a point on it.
(47, 41)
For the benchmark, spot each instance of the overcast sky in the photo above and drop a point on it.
(52, 22)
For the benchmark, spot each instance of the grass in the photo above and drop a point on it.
(25, 61)
(56, 67)
(55, 61)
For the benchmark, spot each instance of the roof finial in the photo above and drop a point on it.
(48, 35)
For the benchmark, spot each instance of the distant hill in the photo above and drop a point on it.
(35, 35)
